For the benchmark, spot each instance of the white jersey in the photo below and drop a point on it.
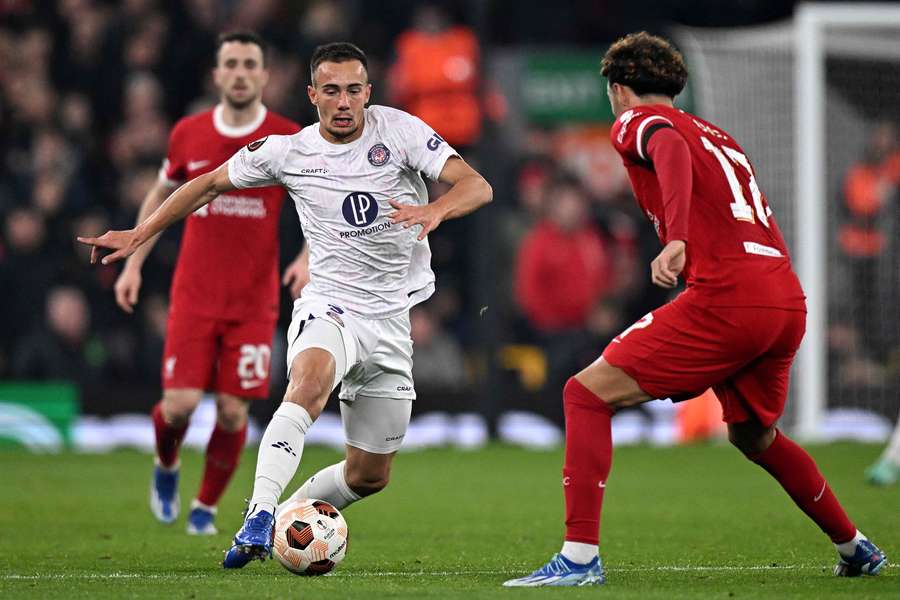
(357, 258)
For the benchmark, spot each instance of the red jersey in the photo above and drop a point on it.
(704, 192)
(228, 263)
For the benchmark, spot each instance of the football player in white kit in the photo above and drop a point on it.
(355, 179)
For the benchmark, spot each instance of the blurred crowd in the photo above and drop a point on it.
(88, 93)
(864, 336)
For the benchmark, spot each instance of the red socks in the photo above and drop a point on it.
(168, 438)
(798, 474)
(588, 460)
(223, 454)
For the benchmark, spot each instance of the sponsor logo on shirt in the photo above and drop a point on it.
(379, 155)
(234, 206)
(313, 171)
(360, 209)
(434, 142)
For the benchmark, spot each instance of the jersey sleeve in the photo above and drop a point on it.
(632, 131)
(174, 168)
(259, 163)
(423, 149)
(671, 158)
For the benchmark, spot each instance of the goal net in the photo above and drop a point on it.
(815, 102)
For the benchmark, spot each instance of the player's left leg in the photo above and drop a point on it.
(374, 429)
(753, 399)
(886, 470)
(223, 453)
(800, 477)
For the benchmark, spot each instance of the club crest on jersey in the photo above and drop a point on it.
(379, 155)
(254, 146)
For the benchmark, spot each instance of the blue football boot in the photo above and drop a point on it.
(866, 560)
(561, 571)
(164, 501)
(202, 519)
(252, 541)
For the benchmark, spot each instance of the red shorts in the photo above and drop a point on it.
(230, 357)
(685, 347)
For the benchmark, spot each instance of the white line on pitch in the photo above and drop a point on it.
(351, 574)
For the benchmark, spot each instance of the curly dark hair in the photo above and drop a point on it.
(646, 63)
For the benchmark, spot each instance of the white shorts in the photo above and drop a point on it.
(377, 352)
(373, 359)
(376, 425)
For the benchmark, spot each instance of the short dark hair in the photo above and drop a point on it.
(648, 64)
(335, 52)
(244, 37)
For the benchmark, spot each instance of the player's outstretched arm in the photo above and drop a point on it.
(468, 192)
(183, 201)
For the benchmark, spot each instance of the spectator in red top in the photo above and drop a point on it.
(562, 273)
(562, 268)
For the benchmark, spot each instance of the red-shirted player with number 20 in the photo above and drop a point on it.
(224, 297)
(735, 328)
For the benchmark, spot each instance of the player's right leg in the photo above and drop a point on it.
(170, 422)
(589, 401)
(188, 362)
(318, 361)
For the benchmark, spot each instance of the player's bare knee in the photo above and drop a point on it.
(366, 483)
(309, 390)
(179, 405)
(612, 385)
(750, 437)
(231, 412)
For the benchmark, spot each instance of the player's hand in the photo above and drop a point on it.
(666, 267)
(296, 275)
(127, 287)
(428, 216)
(123, 244)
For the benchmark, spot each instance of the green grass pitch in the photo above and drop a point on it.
(686, 522)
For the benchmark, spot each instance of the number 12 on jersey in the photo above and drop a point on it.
(741, 210)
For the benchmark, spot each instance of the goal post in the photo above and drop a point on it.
(803, 97)
(812, 23)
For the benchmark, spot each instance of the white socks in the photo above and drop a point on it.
(279, 455)
(329, 485)
(579, 553)
(849, 548)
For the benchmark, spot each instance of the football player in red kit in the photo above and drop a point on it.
(224, 297)
(735, 328)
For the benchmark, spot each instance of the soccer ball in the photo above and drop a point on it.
(310, 536)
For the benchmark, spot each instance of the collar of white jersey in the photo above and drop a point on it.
(236, 132)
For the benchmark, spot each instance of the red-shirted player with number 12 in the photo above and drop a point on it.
(224, 297)
(735, 328)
